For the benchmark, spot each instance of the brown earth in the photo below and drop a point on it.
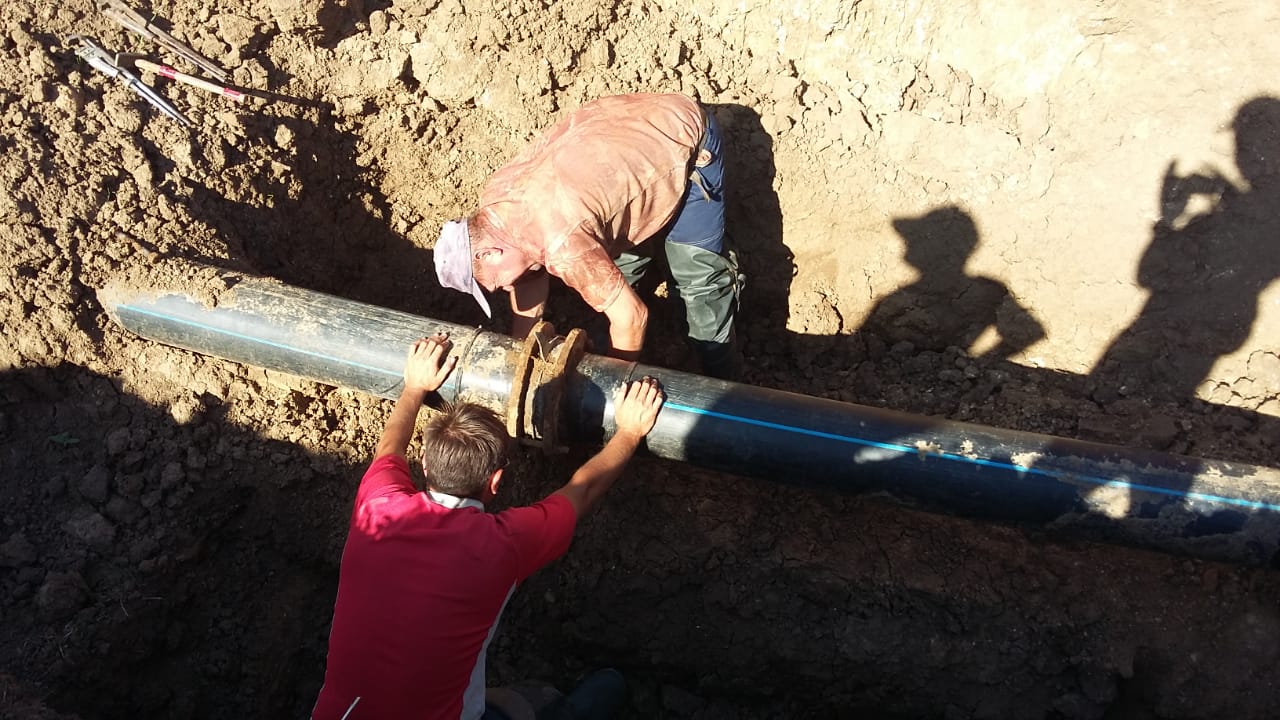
(1050, 216)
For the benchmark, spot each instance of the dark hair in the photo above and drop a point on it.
(461, 447)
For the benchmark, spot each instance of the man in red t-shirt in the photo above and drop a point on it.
(425, 575)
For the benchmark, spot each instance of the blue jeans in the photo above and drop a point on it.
(701, 219)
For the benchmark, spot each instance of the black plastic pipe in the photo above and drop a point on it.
(1206, 508)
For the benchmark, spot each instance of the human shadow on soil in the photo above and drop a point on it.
(946, 307)
(1205, 273)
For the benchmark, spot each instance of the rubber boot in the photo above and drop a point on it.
(722, 361)
(708, 283)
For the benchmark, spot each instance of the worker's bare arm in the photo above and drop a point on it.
(528, 300)
(425, 370)
(628, 318)
(636, 411)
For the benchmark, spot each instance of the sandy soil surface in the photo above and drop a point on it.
(1050, 216)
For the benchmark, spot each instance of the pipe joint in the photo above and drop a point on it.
(533, 412)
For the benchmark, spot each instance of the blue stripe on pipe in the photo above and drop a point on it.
(1057, 475)
(1256, 505)
(330, 358)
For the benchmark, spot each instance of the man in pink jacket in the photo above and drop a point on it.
(589, 202)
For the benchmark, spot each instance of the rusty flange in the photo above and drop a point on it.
(537, 388)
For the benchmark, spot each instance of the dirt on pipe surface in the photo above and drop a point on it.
(1041, 216)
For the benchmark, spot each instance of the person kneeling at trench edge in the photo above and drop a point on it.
(425, 575)
(591, 202)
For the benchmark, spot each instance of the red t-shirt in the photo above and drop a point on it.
(424, 578)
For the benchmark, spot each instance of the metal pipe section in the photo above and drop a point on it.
(1204, 508)
(261, 322)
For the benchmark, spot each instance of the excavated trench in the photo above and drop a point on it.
(1014, 215)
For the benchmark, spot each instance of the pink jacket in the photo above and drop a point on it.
(602, 180)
